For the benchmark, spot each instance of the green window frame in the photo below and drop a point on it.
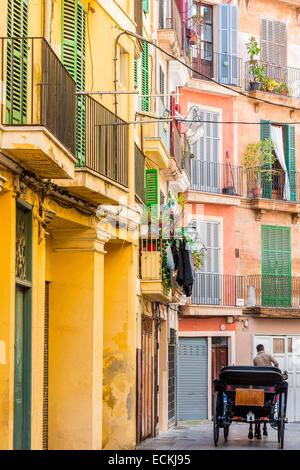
(276, 266)
(74, 59)
(17, 62)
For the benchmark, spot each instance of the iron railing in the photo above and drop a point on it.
(246, 291)
(174, 21)
(221, 178)
(106, 142)
(273, 291)
(284, 81)
(218, 289)
(36, 89)
(139, 173)
(223, 68)
(272, 184)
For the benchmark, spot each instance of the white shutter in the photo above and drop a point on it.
(210, 235)
(273, 42)
(205, 168)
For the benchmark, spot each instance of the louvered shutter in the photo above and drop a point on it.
(207, 281)
(276, 266)
(17, 62)
(273, 43)
(135, 74)
(145, 78)
(266, 181)
(291, 159)
(205, 168)
(73, 56)
(228, 44)
(146, 6)
(152, 186)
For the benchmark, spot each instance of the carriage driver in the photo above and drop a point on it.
(263, 359)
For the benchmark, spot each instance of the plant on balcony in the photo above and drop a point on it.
(257, 72)
(283, 89)
(270, 85)
(258, 160)
(195, 23)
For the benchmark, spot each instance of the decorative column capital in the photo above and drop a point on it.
(80, 240)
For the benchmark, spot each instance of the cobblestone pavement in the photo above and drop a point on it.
(189, 436)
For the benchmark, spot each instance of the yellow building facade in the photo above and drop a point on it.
(68, 277)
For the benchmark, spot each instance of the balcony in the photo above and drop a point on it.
(223, 68)
(273, 296)
(264, 295)
(280, 81)
(139, 174)
(153, 286)
(178, 173)
(37, 114)
(156, 138)
(102, 153)
(273, 190)
(218, 179)
(169, 32)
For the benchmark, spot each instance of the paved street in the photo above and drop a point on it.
(200, 437)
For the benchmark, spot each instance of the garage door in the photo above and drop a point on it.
(192, 379)
(286, 349)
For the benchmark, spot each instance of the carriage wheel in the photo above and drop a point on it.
(216, 418)
(281, 420)
(226, 432)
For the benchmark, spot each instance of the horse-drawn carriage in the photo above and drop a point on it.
(253, 395)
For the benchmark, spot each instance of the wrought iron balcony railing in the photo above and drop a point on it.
(221, 178)
(273, 184)
(246, 291)
(284, 81)
(105, 143)
(219, 289)
(36, 89)
(273, 291)
(223, 68)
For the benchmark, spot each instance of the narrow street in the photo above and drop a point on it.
(200, 437)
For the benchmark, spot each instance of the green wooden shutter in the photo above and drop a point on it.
(17, 62)
(276, 266)
(291, 159)
(73, 57)
(136, 74)
(145, 78)
(152, 190)
(266, 182)
(146, 6)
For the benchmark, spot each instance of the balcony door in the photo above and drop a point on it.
(205, 167)
(202, 40)
(208, 286)
(276, 266)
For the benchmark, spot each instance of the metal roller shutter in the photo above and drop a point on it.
(192, 379)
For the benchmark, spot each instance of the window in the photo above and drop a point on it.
(278, 345)
(273, 42)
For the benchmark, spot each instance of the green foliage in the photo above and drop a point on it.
(253, 48)
(259, 157)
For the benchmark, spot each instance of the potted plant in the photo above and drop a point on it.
(270, 85)
(257, 72)
(283, 89)
(258, 161)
